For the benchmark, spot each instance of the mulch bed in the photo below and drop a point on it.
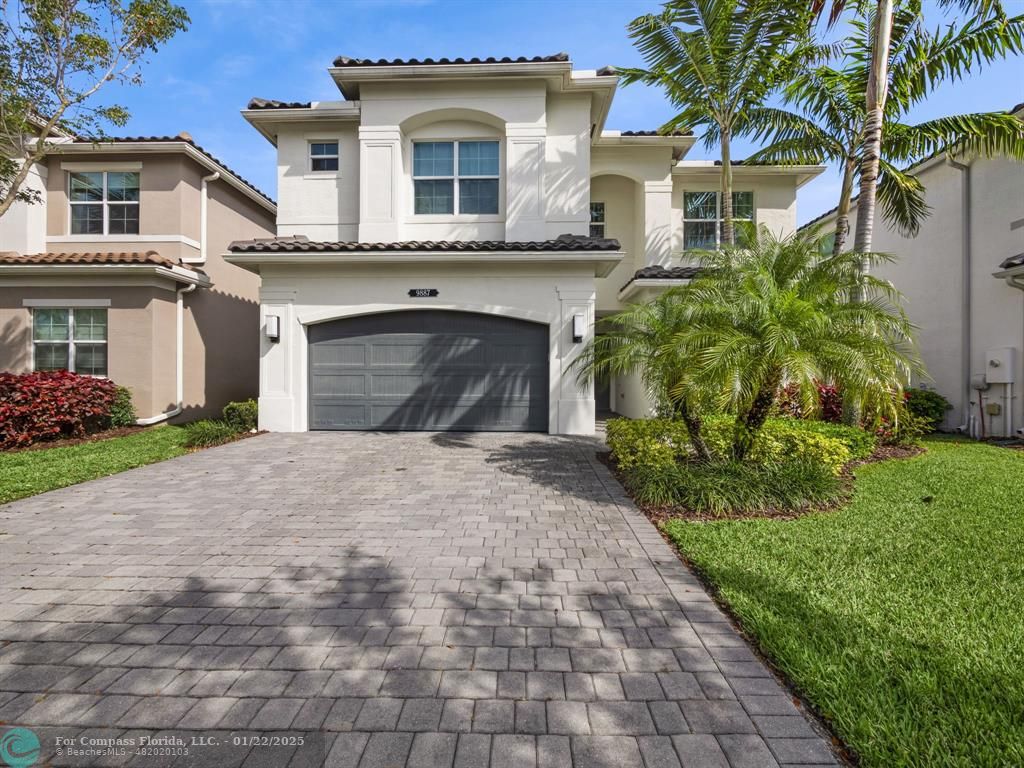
(662, 514)
(95, 437)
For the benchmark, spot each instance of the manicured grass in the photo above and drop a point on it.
(26, 473)
(901, 617)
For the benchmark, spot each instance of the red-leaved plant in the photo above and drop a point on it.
(48, 405)
(829, 398)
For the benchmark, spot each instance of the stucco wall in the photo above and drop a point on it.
(929, 271)
(23, 227)
(140, 335)
(550, 295)
(623, 206)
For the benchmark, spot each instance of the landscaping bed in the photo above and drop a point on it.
(897, 616)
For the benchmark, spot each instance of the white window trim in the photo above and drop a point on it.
(309, 157)
(64, 303)
(602, 224)
(96, 167)
(717, 221)
(71, 337)
(427, 217)
(104, 169)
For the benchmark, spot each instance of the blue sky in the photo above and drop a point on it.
(236, 49)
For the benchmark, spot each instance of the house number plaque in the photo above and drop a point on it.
(419, 293)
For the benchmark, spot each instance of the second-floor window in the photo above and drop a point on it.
(454, 177)
(597, 219)
(323, 155)
(104, 203)
(702, 217)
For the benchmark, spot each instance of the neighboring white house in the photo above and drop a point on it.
(963, 279)
(449, 232)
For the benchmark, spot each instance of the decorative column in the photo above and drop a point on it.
(524, 188)
(575, 401)
(658, 222)
(380, 183)
(278, 403)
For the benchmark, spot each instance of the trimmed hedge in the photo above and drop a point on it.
(208, 432)
(664, 442)
(242, 415)
(927, 405)
(49, 405)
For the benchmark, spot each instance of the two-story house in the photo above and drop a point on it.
(118, 272)
(449, 231)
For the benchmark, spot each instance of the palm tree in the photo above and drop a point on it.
(716, 60)
(774, 313)
(876, 93)
(830, 125)
(638, 340)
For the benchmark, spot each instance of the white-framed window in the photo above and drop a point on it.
(596, 219)
(323, 156)
(456, 177)
(70, 339)
(104, 202)
(702, 217)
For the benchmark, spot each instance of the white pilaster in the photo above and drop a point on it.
(658, 222)
(524, 170)
(380, 187)
(575, 401)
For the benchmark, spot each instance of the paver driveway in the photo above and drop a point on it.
(387, 600)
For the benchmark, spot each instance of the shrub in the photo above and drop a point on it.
(721, 488)
(928, 405)
(646, 442)
(242, 415)
(47, 405)
(122, 412)
(208, 432)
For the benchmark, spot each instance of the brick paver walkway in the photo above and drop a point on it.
(386, 600)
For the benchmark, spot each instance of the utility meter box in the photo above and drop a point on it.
(1001, 365)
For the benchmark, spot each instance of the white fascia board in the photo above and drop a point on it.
(265, 120)
(803, 173)
(346, 77)
(177, 274)
(603, 261)
(173, 146)
(638, 285)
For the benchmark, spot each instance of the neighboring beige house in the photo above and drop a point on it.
(118, 272)
(448, 232)
(963, 278)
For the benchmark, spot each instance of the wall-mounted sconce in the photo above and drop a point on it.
(578, 327)
(273, 327)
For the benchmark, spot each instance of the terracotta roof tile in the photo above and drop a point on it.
(303, 245)
(149, 257)
(656, 133)
(258, 103)
(658, 272)
(345, 61)
(1013, 261)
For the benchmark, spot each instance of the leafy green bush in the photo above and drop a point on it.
(721, 488)
(208, 432)
(928, 405)
(655, 443)
(122, 412)
(242, 415)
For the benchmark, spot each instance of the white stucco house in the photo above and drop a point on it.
(963, 279)
(448, 232)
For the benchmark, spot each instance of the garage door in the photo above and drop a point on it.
(429, 370)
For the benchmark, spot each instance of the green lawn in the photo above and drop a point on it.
(26, 473)
(902, 616)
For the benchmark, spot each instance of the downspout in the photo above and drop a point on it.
(179, 361)
(203, 204)
(965, 279)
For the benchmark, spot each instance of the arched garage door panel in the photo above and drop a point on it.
(429, 370)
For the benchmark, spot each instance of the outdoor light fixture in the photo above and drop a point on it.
(273, 327)
(578, 328)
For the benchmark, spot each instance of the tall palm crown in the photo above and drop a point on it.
(776, 312)
(831, 119)
(716, 60)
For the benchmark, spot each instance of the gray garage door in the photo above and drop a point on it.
(429, 370)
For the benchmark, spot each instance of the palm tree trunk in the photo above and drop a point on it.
(694, 427)
(878, 82)
(728, 233)
(843, 211)
(748, 425)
